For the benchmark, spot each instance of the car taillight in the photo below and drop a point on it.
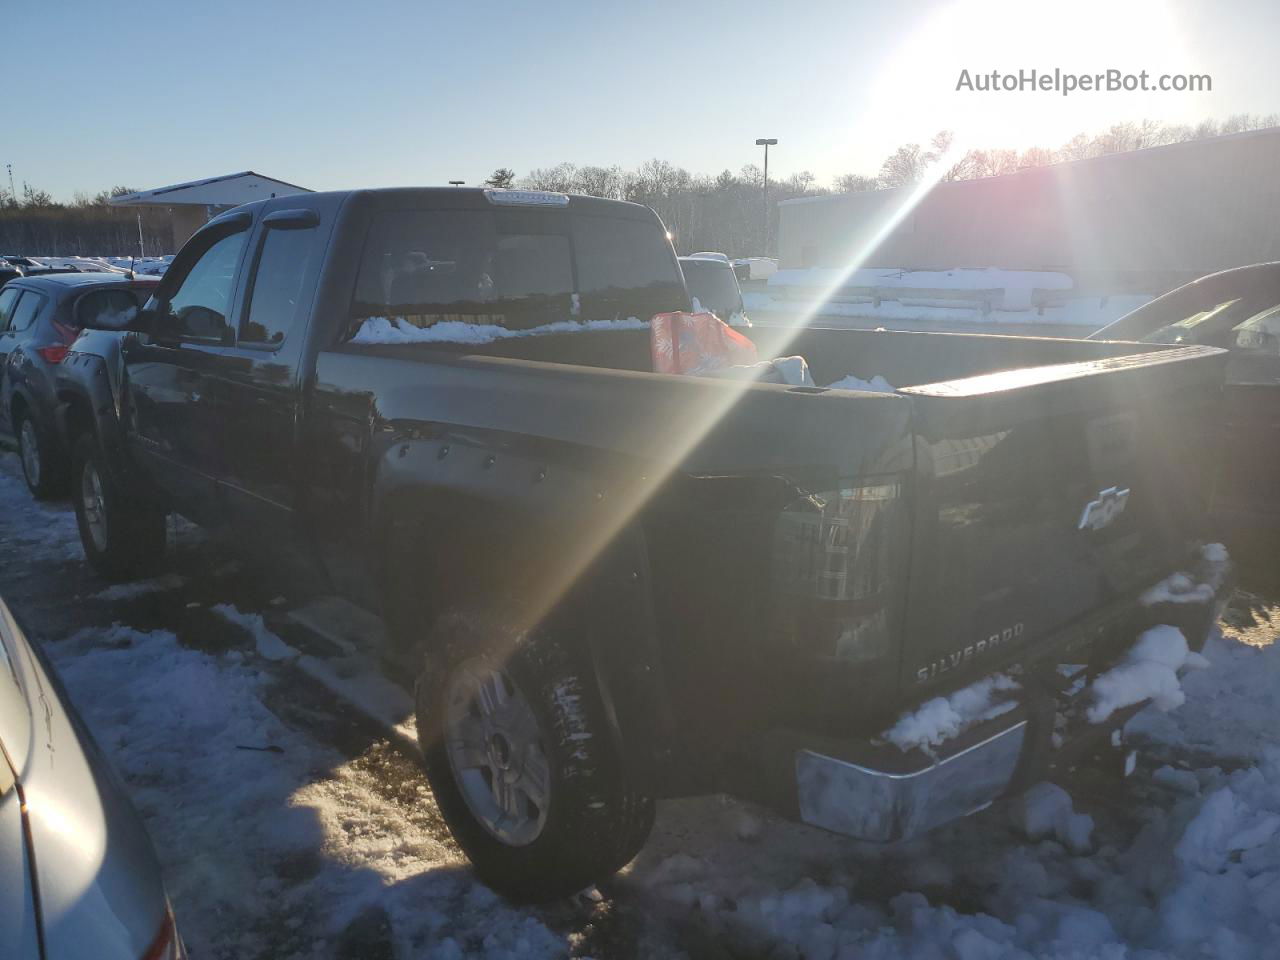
(835, 567)
(167, 945)
(53, 354)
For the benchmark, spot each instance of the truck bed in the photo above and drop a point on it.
(961, 549)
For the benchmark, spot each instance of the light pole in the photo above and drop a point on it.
(456, 183)
(766, 143)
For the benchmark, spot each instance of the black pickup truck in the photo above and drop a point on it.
(608, 585)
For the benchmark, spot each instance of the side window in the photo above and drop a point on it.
(279, 279)
(8, 300)
(198, 308)
(27, 310)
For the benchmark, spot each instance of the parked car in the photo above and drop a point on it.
(9, 272)
(23, 262)
(608, 585)
(78, 875)
(714, 285)
(39, 318)
(1238, 310)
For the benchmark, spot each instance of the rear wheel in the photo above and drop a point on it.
(522, 764)
(123, 538)
(43, 467)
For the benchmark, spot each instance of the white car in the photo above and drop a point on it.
(78, 876)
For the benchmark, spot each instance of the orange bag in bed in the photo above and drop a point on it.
(696, 343)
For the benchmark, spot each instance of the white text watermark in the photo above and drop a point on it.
(1064, 82)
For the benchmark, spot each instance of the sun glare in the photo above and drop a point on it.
(916, 90)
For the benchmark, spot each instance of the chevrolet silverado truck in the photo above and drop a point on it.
(607, 585)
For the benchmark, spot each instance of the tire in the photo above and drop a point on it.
(592, 821)
(123, 537)
(44, 467)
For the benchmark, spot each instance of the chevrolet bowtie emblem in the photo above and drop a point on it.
(1102, 511)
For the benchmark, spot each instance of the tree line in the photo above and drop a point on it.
(725, 212)
(34, 224)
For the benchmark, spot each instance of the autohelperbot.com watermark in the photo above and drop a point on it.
(1065, 82)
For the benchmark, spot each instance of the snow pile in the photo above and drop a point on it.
(876, 384)
(1184, 587)
(793, 371)
(1149, 671)
(399, 330)
(1177, 588)
(945, 718)
(1230, 710)
(1045, 811)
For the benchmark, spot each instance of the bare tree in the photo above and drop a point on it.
(855, 183)
(558, 179)
(1079, 147)
(904, 166)
(601, 182)
(1037, 157)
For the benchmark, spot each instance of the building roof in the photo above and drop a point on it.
(230, 190)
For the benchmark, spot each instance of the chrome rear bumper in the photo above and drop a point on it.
(883, 806)
(882, 795)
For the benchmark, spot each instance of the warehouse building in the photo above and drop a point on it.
(193, 203)
(1142, 220)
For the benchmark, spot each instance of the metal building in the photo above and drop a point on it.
(195, 202)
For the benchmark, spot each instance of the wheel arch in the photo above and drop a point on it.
(462, 525)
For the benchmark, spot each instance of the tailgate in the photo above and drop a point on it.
(1047, 492)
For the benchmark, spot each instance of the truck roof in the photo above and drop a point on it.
(466, 198)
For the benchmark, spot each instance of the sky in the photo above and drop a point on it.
(391, 92)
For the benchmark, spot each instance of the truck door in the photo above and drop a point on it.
(260, 381)
(169, 407)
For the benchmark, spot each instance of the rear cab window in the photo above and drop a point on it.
(285, 262)
(517, 268)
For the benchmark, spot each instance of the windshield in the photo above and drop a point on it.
(515, 269)
(713, 284)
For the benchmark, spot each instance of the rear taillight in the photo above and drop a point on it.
(167, 945)
(835, 570)
(53, 354)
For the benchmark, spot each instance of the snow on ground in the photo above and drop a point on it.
(273, 844)
(280, 840)
(947, 298)
(1087, 313)
(966, 279)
